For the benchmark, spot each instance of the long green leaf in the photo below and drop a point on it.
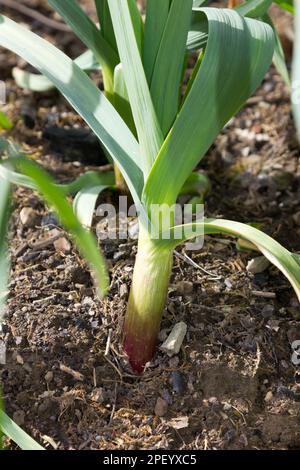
(147, 126)
(156, 19)
(84, 240)
(84, 181)
(198, 34)
(121, 100)
(271, 249)
(16, 434)
(4, 260)
(105, 22)
(90, 35)
(296, 72)
(83, 95)
(166, 78)
(39, 83)
(137, 22)
(85, 201)
(238, 54)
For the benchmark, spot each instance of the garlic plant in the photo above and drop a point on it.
(170, 132)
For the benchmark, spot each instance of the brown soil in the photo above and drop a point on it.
(233, 385)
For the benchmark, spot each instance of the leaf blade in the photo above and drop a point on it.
(154, 27)
(167, 73)
(84, 240)
(147, 126)
(82, 94)
(89, 34)
(270, 248)
(16, 434)
(239, 49)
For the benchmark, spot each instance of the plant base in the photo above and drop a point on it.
(146, 302)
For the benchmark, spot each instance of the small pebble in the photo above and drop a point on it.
(28, 217)
(258, 265)
(173, 343)
(49, 376)
(161, 407)
(20, 359)
(97, 395)
(213, 400)
(228, 283)
(63, 245)
(269, 396)
(178, 382)
(227, 407)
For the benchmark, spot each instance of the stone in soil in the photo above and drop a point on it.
(175, 339)
(161, 407)
(28, 217)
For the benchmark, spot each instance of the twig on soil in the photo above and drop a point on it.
(74, 373)
(42, 244)
(27, 11)
(115, 367)
(108, 342)
(266, 295)
(94, 377)
(258, 359)
(188, 260)
(114, 405)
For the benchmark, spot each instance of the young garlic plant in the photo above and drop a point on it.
(172, 133)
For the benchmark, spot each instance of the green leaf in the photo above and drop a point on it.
(147, 126)
(121, 100)
(4, 259)
(198, 34)
(83, 95)
(137, 22)
(16, 434)
(271, 249)
(84, 181)
(156, 19)
(85, 201)
(106, 23)
(240, 50)
(90, 35)
(166, 78)
(296, 72)
(84, 240)
(5, 123)
(279, 58)
(40, 83)
(31, 81)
